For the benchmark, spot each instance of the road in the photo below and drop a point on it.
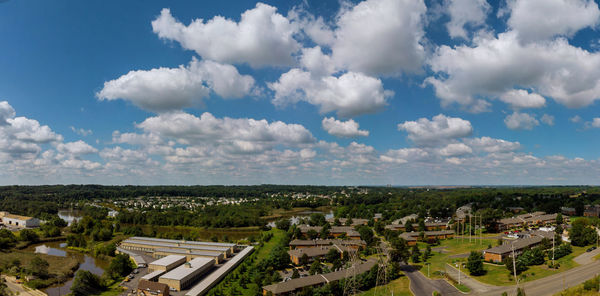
(549, 285)
(19, 289)
(420, 285)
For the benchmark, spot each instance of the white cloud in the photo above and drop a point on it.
(520, 98)
(547, 119)
(404, 155)
(316, 62)
(261, 38)
(575, 119)
(494, 66)
(595, 123)
(491, 145)
(521, 121)
(349, 95)
(380, 37)
(187, 128)
(81, 131)
(165, 89)
(343, 129)
(438, 130)
(76, 148)
(6, 112)
(543, 19)
(463, 13)
(455, 149)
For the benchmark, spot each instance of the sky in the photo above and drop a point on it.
(373, 92)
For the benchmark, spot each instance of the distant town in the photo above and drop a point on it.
(299, 240)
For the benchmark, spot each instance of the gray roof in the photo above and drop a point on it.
(318, 251)
(317, 279)
(190, 252)
(139, 259)
(184, 270)
(168, 260)
(153, 275)
(321, 242)
(518, 244)
(213, 278)
(229, 245)
(172, 245)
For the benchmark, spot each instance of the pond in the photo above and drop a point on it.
(70, 215)
(93, 265)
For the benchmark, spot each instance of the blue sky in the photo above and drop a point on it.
(304, 92)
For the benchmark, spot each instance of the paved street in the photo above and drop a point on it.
(543, 287)
(420, 285)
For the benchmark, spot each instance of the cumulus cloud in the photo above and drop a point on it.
(81, 131)
(455, 149)
(575, 119)
(76, 148)
(261, 38)
(595, 123)
(521, 121)
(6, 112)
(465, 12)
(342, 129)
(520, 98)
(495, 66)
(491, 145)
(380, 37)
(439, 129)
(547, 119)
(165, 89)
(348, 95)
(244, 133)
(543, 19)
(316, 62)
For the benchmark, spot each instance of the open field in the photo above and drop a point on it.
(452, 247)
(399, 286)
(60, 268)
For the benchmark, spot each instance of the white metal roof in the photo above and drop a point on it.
(152, 275)
(229, 245)
(168, 260)
(182, 271)
(172, 245)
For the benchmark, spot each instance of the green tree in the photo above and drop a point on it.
(475, 263)
(317, 219)
(304, 259)
(295, 274)
(28, 235)
(120, 266)
(39, 267)
(332, 255)
(581, 233)
(312, 234)
(86, 283)
(415, 254)
(283, 224)
(366, 234)
(324, 234)
(315, 267)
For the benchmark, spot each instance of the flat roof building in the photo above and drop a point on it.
(217, 275)
(166, 263)
(152, 245)
(19, 221)
(153, 276)
(189, 254)
(187, 274)
(148, 288)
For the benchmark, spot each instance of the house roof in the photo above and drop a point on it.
(322, 242)
(518, 244)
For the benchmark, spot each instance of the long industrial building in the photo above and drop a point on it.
(184, 242)
(191, 249)
(166, 263)
(187, 274)
(216, 276)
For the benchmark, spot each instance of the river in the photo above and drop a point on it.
(70, 215)
(93, 265)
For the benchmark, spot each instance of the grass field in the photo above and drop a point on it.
(60, 268)
(399, 286)
(453, 247)
(499, 275)
(579, 291)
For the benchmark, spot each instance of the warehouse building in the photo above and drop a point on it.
(12, 220)
(499, 253)
(153, 276)
(216, 276)
(187, 274)
(152, 245)
(190, 254)
(184, 242)
(166, 263)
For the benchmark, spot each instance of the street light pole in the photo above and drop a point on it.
(512, 246)
(459, 272)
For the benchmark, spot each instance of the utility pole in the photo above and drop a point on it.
(512, 246)
(459, 272)
(554, 236)
(470, 225)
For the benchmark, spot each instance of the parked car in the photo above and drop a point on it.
(136, 271)
(590, 249)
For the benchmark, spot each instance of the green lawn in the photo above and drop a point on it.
(499, 275)
(453, 247)
(399, 286)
